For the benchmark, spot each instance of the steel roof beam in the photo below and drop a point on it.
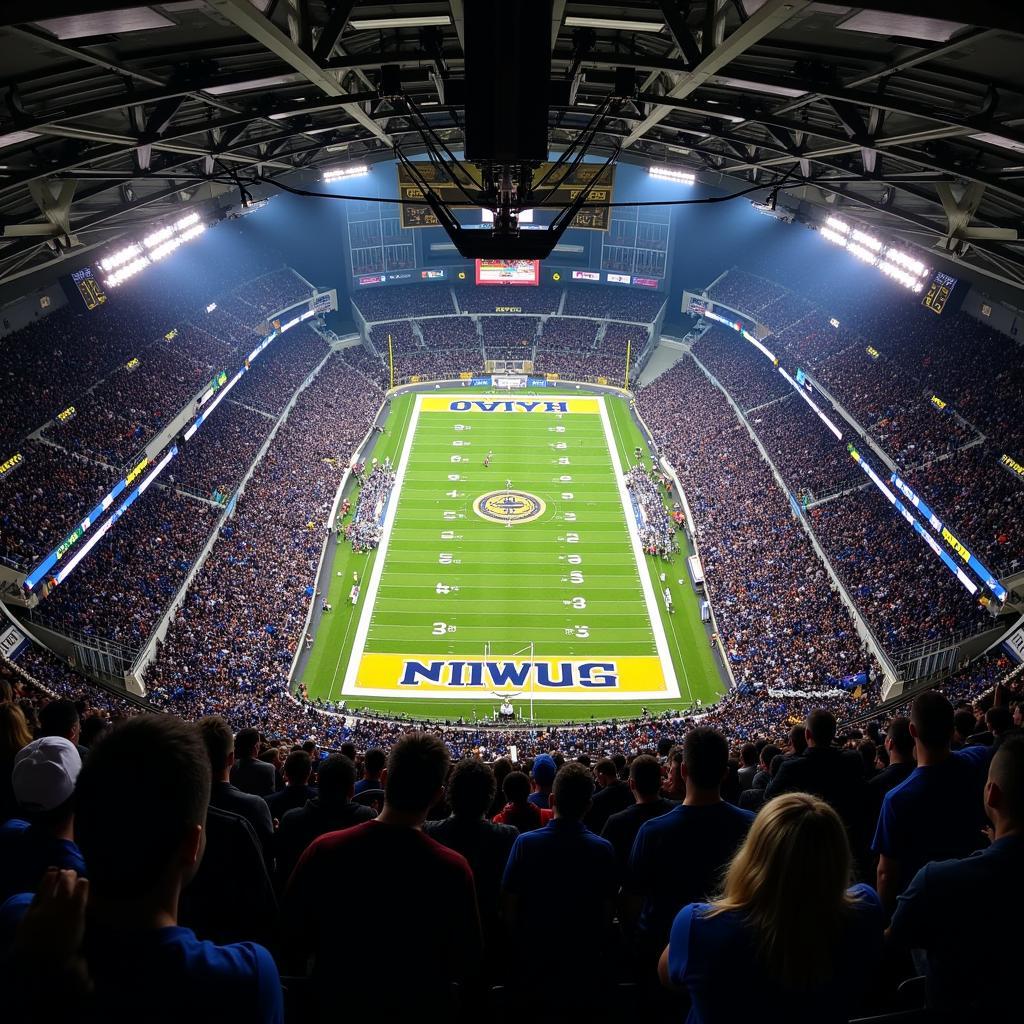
(249, 20)
(767, 18)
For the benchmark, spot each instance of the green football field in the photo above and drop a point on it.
(522, 580)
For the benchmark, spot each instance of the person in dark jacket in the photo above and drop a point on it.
(331, 810)
(827, 772)
(249, 773)
(298, 767)
(484, 844)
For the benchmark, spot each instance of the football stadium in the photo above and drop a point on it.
(515, 509)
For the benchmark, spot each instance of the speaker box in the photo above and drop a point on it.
(508, 70)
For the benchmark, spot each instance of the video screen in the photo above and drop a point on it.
(508, 271)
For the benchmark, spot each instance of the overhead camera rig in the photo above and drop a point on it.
(507, 92)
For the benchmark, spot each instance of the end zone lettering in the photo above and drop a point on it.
(464, 406)
(595, 675)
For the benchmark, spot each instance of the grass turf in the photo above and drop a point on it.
(513, 583)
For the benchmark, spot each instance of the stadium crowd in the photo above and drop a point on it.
(782, 624)
(401, 301)
(954, 469)
(542, 298)
(120, 591)
(244, 613)
(608, 301)
(823, 866)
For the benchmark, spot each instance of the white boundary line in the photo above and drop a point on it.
(653, 611)
(356, 657)
(671, 691)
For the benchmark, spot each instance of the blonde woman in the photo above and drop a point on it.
(14, 734)
(786, 925)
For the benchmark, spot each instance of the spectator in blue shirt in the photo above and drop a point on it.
(678, 858)
(562, 873)
(140, 808)
(543, 776)
(787, 941)
(373, 771)
(43, 782)
(926, 917)
(937, 813)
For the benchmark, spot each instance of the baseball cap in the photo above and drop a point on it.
(45, 772)
(544, 769)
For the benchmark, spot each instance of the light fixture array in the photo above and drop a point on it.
(672, 174)
(339, 173)
(891, 261)
(129, 261)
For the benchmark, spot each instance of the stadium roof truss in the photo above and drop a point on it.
(897, 114)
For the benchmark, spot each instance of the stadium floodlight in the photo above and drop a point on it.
(838, 225)
(832, 236)
(870, 241)
(906, 261)
(128, 270)
(862, 252)
(120, 258)
(339, 173)
(673, 174)
(158, 237)
(900, 275)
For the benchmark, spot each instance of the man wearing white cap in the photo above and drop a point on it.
(43, 779)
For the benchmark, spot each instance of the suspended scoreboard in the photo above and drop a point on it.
(564, 185)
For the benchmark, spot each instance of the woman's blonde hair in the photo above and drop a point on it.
(14, 730)
(789, 880)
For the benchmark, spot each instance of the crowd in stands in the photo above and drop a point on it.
(821, 867)
(739, 367)
(450, 332)
(906, 595)
(509, 337)
(616, 336)
(229, 649)
(117, 418)
(280, 369)
(892, 407)
(121, 589)
(43, 497)
(598, 300)
(78, 364)
(221, 452)
(401, 301)
(274, 291)
(542, 298)
(779, 619)
(804, 450)
(889, 389)
(403, 339)
(744, 292)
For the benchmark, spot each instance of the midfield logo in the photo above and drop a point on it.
(509, 507)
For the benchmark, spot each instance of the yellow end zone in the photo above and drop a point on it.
(500, 404)
(447, 677)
